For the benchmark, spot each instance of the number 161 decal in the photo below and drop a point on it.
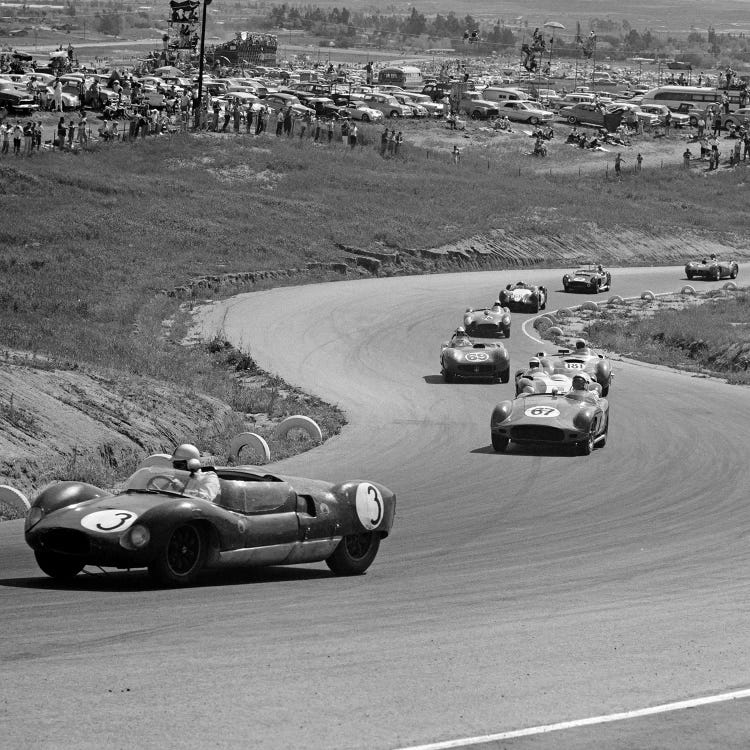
(542, 411)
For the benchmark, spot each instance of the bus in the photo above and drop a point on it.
(690, 98)
(407, 77)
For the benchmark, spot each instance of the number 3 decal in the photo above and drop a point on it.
(109, 521)
(369, 506)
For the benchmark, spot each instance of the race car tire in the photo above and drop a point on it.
(57, 566)
(733, 273)
(687, 289)
(507, 332)
(365, 118)
(500, 443)
(505, 376)
(730, 286)
(182, 558)
(605, 389)
(648, 295)
(716, 274)
(535, 306)
(299, 422)
(689, 275)
(585, 447)
(354, 554)
(448, 376)
(615, 299)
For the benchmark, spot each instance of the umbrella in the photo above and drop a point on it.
(168, 70)
(553, 25)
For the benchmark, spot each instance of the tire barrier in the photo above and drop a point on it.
(730, 286)
(14, 498)
(590, 305)
(544, 321)
(157, 459)
(564, 312)
(249, 440)
(687, 289)
(648, 295)
(299, 422)
(553, 331)
(616, 299)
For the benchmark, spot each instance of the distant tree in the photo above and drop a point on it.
(109, 23)
(416, 24)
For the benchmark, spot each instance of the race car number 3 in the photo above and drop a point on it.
(109, 521)
(542, 411)
(369, 506)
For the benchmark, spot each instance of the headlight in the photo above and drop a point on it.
(33, 517)
(138, 536)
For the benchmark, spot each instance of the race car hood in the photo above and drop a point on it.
(518, 295)
(477, 353)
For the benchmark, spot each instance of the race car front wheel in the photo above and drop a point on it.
(55, 565)
(585, 447)
(182, 558)
(499, 443)
(354, 554)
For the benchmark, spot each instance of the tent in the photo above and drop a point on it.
(168, 70)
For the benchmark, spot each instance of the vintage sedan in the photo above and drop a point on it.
(524, 297)
(473, 359)
(578, 418)
(357, 110)
(257, 519)
(677, 119)
(525, 111)
(16, 100)
(488, 322)
(712, 268)
(592, 279)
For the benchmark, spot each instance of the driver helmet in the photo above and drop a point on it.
(460, 331)
(534, 363)
(580, 344)
(184, 453)
(496, 307)
(580, 383)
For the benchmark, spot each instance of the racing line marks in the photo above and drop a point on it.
(576, 723)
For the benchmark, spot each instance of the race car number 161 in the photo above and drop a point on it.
(542, 411)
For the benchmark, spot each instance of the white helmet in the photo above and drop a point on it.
(185, 452)
(460, 331)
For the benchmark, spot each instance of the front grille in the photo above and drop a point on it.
(66, 542)
(485, 330)
(486, 369)
(537, 433)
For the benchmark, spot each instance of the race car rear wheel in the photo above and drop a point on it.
(505, 376)
(354, 554)
(500, 443)
(182, 557)
(57, 566)
(716, 274)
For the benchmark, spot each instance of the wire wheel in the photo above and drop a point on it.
(354, 554)
(182, 559)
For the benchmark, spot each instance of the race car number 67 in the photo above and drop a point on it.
(542, 411)
(369, 506)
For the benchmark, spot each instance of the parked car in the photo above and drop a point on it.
(361, 111)
(434, 109)
(417, 110)
(592, 114)
(472, 103)
(387, 104)
(736, 118)
(278, 100)
(679, 119)
(524, 111)
(16, 100)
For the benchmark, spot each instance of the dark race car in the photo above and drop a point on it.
(593, 279)
(488, 322)
(712, 268)
(579, 419)
(258, 519)
(523, 297)
(465, 358)
(581, 359)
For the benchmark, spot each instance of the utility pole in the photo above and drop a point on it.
(199, 104)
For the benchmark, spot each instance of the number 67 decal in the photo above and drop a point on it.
(542, 411)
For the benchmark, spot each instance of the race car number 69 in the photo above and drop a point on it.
(542, 411)
(369, 506)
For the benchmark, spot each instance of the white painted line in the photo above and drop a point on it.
(545, 728)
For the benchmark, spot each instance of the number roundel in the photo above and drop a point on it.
(109, 521)
(542, 412)
(370, 506)
(477, 357)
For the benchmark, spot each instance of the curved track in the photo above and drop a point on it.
(516, 590)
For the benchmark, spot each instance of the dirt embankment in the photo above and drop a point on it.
(50, 414)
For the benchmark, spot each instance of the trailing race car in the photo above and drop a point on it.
(541, 381)
(712, 268)
(488, 323)
(579, 418)
(257, 519)
(592, 279)
(521, 296)
(581, 359)
(464, 358)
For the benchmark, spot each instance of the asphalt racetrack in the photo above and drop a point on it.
(517, 592)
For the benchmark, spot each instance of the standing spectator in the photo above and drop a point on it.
(746, 143)
(456, 155)
(397, 144)
(5, 131)
(725, 101)
(43, 95)
(717, 124)
(353, 135)
(701, 126)
(713, 162)
(316, 122)
(304, 122)
(39, 134)
(280, 122)
(344, 131)
(61, 133)
(667, 123)
(638, 162)
(738, 149)
(329, 128)
(83, 136)
(58, 95)
(392, 143)
(686, 156)
(236, 113)
(71, 134)
(288, 121)
(618, 165)
(249, 120)
(215, 118)
(383, 142)
(28, 138)
(227, 118)
(17, 136)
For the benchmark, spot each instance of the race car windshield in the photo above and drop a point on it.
(157, 479)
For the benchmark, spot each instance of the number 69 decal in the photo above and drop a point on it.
(369, 506)
(542, 411)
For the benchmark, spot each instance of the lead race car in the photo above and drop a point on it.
(592, 279)
(461, 357)
(488, 322)
(579, 418)
(523, 297)
(257, 519)
(712, 268)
